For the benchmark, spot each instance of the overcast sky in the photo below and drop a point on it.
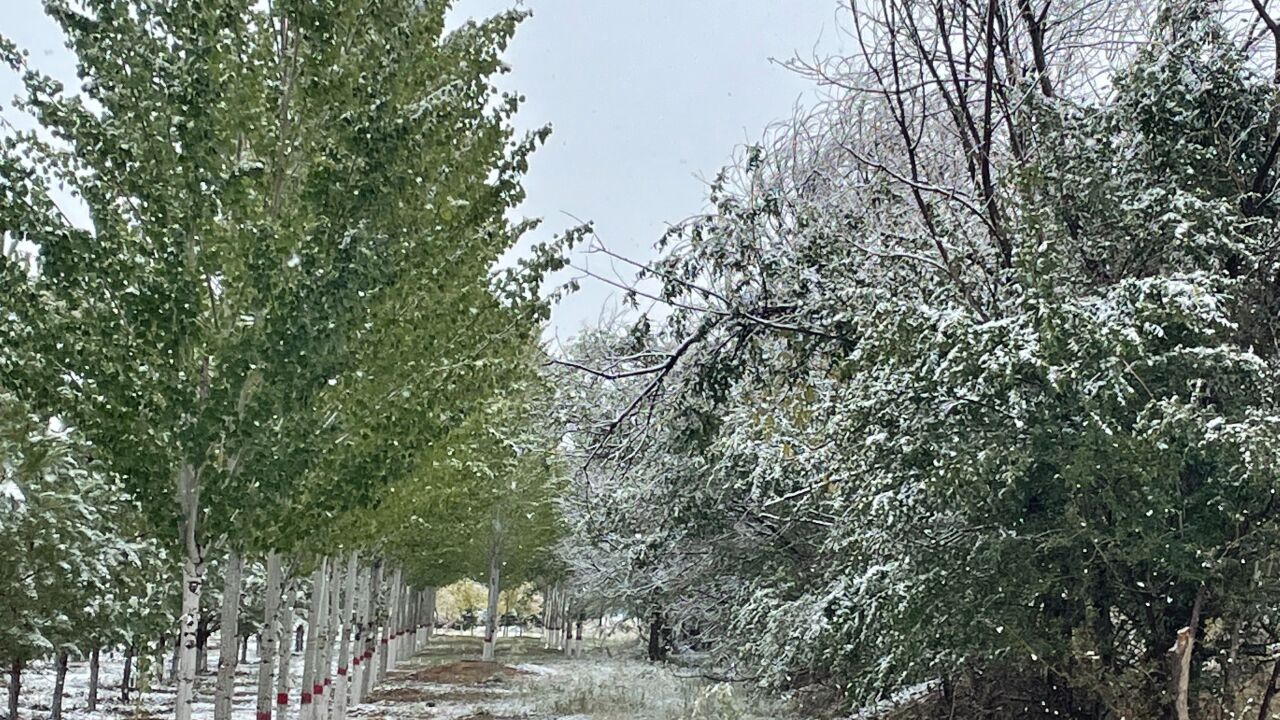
(647, 98)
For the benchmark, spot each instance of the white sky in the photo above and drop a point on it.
(647, 97)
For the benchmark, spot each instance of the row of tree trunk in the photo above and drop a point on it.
(562, 629)
(361, 620)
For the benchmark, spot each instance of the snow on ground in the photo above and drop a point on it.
(447, 682)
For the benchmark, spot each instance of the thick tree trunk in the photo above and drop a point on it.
(59, 685)
(228, 631)
(491, 619)
(192, 586)
(344, 643)
(309, 654)
(95, 667)
(128, 673)
(15, 688)
(270, 635)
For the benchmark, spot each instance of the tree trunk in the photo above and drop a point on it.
(244, 648)
(309, 655)
(359, 660)
(202, 646)
(270, 635)
(388, 625)
(192, 586)
(1181, 660)
(284, 661)
(491, 621)
(94, 668)
(344, 643)
(228, 631)
(15, 688)
(333, 627)
(371, 638)
(59, 684)
(655, 637)
(577, 640)
(431, 612)
(128, 673)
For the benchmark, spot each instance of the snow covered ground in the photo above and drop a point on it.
(446, 682)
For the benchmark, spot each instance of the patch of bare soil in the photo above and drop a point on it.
(465, 672)
(423, 695)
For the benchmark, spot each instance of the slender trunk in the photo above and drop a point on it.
(577, 640)
(284, 657)
(228, 631)
(128, 673)
(548, 599)
(270, 635)
(491, 620)
(94, 668)
(202, 646)
(244, 648)
(371, 639)
(1182, 650)
(1264, 707)
(309, 650)
(655, 637)
(59, 684)
(344, 644)
(388, 624)
(431, 612)
(359, 661)
(15, 688)
(192, 586)
(564, 622)
(334, 625)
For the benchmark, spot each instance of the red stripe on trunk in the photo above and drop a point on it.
(282, 699)
(264, 715)
(306, 698)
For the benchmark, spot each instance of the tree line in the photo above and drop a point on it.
(960, 398)
(275, 353)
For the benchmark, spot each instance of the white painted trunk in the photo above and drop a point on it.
(359, 645)
(227, 634)
(340, 686)
(371, 635)
(192, 586)
(491, 619)
(388, 624)
(284, 651)
(335, 630)
(269, 637)
(431, 612)
(309, 654)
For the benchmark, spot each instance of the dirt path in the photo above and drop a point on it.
(447, 682)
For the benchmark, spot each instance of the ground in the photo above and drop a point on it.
(446, 681)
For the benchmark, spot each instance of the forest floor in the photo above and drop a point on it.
(446, 681)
